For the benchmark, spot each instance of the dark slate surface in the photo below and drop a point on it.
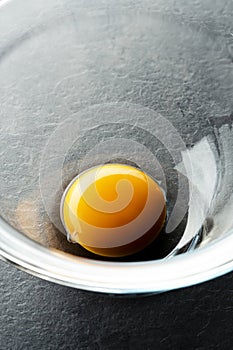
(39, 315)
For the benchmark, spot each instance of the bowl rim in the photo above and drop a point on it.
(116, 277)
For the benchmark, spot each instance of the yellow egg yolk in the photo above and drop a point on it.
(113, 210)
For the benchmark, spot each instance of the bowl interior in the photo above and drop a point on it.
(150, 85)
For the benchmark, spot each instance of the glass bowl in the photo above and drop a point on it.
(144, 83)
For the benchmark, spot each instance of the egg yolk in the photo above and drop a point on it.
(113, 210)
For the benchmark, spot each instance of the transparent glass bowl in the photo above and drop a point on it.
(142, 83)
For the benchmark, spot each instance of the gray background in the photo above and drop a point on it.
(40, 315)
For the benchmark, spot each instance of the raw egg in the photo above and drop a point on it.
(113, 210)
